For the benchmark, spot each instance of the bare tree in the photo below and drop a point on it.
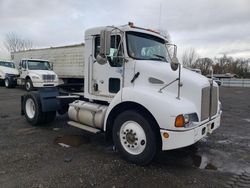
(14, 43)
(189, 58)
(203, 64)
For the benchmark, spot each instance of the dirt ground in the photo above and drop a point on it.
(31, 156)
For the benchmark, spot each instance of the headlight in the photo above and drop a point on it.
(186, 120)
(35, 77)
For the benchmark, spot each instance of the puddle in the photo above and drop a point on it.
(204, 158)
(56, 129)
(224, 142)
(248, 120)
(202, 162)
(213, 159)
(71, 140)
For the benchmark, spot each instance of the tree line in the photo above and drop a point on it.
(221, 65)
(14, 43)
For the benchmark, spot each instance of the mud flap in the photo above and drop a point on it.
(48, 100)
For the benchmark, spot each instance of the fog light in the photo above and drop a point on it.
(165, 135)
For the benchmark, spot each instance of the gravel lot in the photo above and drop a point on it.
(31, 156)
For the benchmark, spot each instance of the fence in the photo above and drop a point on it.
(235, 82)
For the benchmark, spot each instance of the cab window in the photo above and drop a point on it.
(114, 57)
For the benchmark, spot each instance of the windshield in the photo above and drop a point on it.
(39, 65)
(7, 64)
(146, 47)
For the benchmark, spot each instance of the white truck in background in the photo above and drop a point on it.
(31, 73)
(67, 61)
(134, 94)
(36, 73)
(8, 74)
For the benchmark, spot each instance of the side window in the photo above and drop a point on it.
(114, 57)
(24, 64)
(97, 45)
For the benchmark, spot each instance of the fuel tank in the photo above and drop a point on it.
(87, 113)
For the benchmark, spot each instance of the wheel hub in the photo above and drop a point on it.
(30, 108)
(6, 83)
(27, 85)
(132, 137)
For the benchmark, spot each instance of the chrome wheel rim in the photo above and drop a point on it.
(30, 108)
(27, 86)
(133, 137)
(6, 82)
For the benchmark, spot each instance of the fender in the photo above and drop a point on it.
(163, 106)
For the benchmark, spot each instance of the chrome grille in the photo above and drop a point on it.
(205, 102)
(48, 77)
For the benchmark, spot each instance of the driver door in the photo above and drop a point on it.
(23, 69)
(107, 78)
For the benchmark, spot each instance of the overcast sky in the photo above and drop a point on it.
(211, 27)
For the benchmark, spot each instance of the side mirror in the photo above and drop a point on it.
(101, 59)
(51, 65)
(174, 63)
(174, 60)
(105, 39)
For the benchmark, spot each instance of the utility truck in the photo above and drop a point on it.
(34, 73)
(135, 92)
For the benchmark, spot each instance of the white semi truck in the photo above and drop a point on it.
(31, 73)
(135, 93)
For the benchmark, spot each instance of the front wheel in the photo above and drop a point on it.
(33, 110)
(28, 85)
(7, 83)
(134, 137)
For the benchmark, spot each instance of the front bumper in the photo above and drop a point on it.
(179, 139)
(45, 84)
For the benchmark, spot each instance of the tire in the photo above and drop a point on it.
(33, 110)
(134, 137)
(7, 83)
(28, 85)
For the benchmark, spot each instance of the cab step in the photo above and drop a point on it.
(84, 127)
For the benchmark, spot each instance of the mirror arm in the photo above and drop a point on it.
(160, 90)
(179, 82)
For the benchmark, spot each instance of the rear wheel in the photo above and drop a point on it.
(33, 110)
(134, 137)
(28, 85)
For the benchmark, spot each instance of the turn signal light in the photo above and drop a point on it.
(179, 121)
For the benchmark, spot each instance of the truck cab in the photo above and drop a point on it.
(36, 73)
(136, 93)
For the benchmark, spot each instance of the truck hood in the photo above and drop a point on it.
(8, 70)
(42, 72)
(155, 75)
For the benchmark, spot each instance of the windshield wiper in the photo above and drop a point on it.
(161, 57)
